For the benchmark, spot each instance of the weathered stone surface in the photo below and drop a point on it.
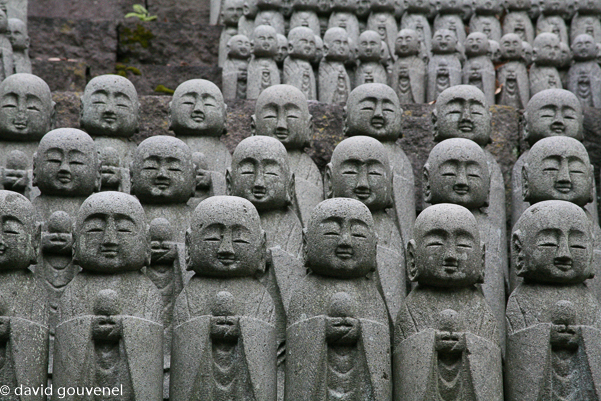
(151, 77)
(61, 75)
(180, 11)
(97, 10)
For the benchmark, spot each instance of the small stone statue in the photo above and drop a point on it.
(109, 331)
(513, 75)
(416, 18)
(517, 21)
(235, 68)
(65, 170)
(282, 51)
(6, 64)
(338, 338)
(298, 71)
(546, 58)
(444, 68)
(269, 14)
(478, 70)
(231, 12)
(486, 20)
(16, 174)
(371, 53)
(224, 340)
(112, 175)
(205, 187)
(305, 14)
(553, 318)
(552, 19)
(318, 53)
(343, 16)
(334, 80)
(528, 53)
(584, 76)
(360, 170)
(446, 338)
(565, 62)
(409, 70)
(261, 174)
(246, 23)
(263, 71)
(449, 17)
(586, 20)
(19, 41)
(275, 113)
(374, 110)
(535, 9)
(495, 51)
(382, 21)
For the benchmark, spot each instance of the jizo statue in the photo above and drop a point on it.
(19, 41)
(370, 54)
(478, 69)
(305, 14)
(6, 61)
(486, 20)
(517, 21)
(16, 174)
(334, 81)
(444, 67)
(235, 68)
(513, 75)
(263, 71)
(450, 17)
(546, 58)
(230, 16)
(552, 19)
(584, 76)
(409, 70)
(416, 18)
(298, 71)
(269, 13)
(343, 16)
(382, 21)
(586, 20)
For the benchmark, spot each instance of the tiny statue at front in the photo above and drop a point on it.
(235, 68)
(298, 71)
(204, 187)
(334, 80)
(270, 14)
(224, 339)
(444, 67)
(16, 173)
(370, 54)
(231, 13)
(112, 174)
(543, 73)
(19, 40)
(305, 14)
(553, 317)
(338, 336)
(450, 17)
(552, 18)
(374, 110)
(343, 16)
(282, 112)
(23, 312)
(409, 69)
(6, 59)
(416, 18)
(584, 76)
(446, 338)
(512, 74)
(263, 71)
(517, 21)
(586, 20)
(486, 19)
(360, 170)
(478, 69)
(109, 332)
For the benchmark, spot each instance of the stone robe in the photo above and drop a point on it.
(299, 73)
(543, 77)
(584, 80)
(262, 73)
(411, 88)
(334, 82)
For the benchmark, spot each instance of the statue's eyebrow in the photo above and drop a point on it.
(100, 92)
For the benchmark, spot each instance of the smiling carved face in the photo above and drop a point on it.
(373, 110)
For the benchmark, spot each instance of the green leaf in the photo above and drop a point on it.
(131, 15)
(139, 8)
(151, 18)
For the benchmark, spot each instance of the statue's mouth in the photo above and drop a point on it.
(558, 128)
(344, 253)
(461, 189)
(20, 124)
(466, 126)
(226, 260)
(450, 267)
(378, 122)
(109, 118)
(563, 266)
(564, 188)
(198, 117)
(108, 251)
(64, 178)
(363, 193)
(162, 183)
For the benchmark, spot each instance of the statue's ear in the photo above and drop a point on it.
(534, 55)
(427, 190)
(169, 116)
(98, 177)
(132, 182)
(412, 270)
(228, 182)
(75, 261)
(52, 116)
(253, 125)
(483, 266)
(291, 190)
(187, 258)
(252, 46)
(328, 191)
(290, 47)
(382, 51)
(517, 250)
(434, 119)
(523, 123)
(81, 107)
(525, 186)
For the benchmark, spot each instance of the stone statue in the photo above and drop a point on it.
(282, 112)
(337, 337)
(261, 174)
(546, 58)
(6, 65)
(263, 71)
(205, 187)
(528, 53)
(535, 9)
(246, 23)
(269, 14)
(517, 21)
(444, 68)
(478, 70)
(360, 170)
(584, 76)
(449, 17)
(282, 51)
(371, 53)
(65, 170)
(112, 174)
(343, 16)
(305, 14)
(409, 70)
(334, 81)
(231, 12)
(235, 68)
(374, 110)
(551, 19)
(416, 18)
(586, 20)
(298, 71)
(197, 116)
(110, 113)
(16, 173)
(316, 60)
(446, 338)
(382, 21)
(565, 62)
(19, 41)
(553, 317)
(109, 332)
(513, 75)
(224, 340)
(486, 20)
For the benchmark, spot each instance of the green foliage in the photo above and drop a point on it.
(141, 13)
(163, 89)
(129, 38)
(122, 70)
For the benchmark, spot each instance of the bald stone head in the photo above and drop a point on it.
(197, 108)
(446, 250)
(26, 108)
(111, 234)
(370, 46)
(110, 107)
(457, 172)
(407, 43)
(373, 110)
(340, 240)
(264, 41)
(282, 49)
(19, 241)
(553, 243)
(444, 41)
(261, 173)
(511, 47)
(225, 238)
(360, 169)
(553, 112)
(558, 168)
(66, 164)
(461, 111)
(336, 44)
(162, 171)
(301, 43)
(18, 37)
(546, 49)
(584, 48)
(476, 44)
(238, 47)
(528, 53)
(282, 112)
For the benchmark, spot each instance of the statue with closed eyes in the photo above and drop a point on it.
(517, 21)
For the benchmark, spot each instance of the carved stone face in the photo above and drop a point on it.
(282, 49)
(301, 43)
(363, 8)
(281, 111)
(66, 164)
(17, 34)
(109, 168)
(26, 108)
(197, 108)
(488, 7)
(446, 250)
(203, 175)
(584, 47)
(162, 171)
(407, 43)
(373, 110)
(553, 243)
(344, 5)
(558, 169)
(225, 238)
(418, 6)
(517, 5)
(449, 6)
(546, 49)
(260, 173)
(232, 11)
(528, 53)
(17, 232)
(553, 112)
(336, 44)
(554, 7)
(476, 44)
(565, 55)
(511, 47)
(110, 107)
(111, 234)
(370, 46)
(250, 9)
(457, 172)
(340, 240)
(461, 112)
(264, 41)
(360, 170)
(238, 47)
(588, 6)
(444, 41)
(58, 237)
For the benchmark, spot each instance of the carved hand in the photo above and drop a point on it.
(57, 243)
(451, 343)
(342, 330)
(565, 337)
(163, 252)
(225, 328)
(106, 328)
(14, 179)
